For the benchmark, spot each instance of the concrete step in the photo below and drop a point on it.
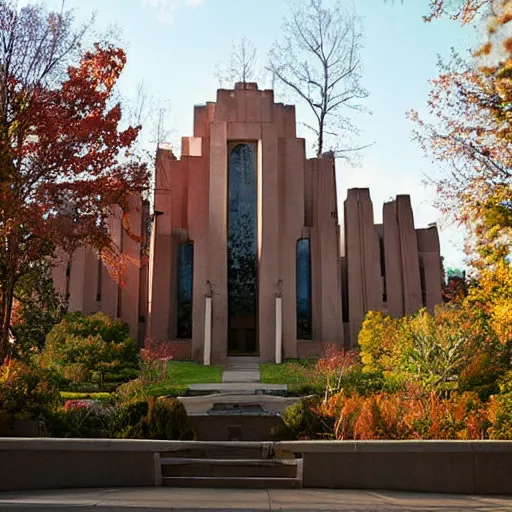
(270, 403)
(241, 375)
(242, 360)
(255, 388)
(222, 451)
(247, 367)
(233, 482)
(233, 468)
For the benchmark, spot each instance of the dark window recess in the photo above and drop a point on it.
(185, 287)
(304, 309)
(100, 281)
(422, 281)
(344, 292)
(383, 270)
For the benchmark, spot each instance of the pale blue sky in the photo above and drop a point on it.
(173, 46)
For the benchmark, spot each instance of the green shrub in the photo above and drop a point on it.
(82, 348)
(304, 420)
(154, 418)
(81, 418)
(129, 420)
(167, 419)
(356, 380)
(26, 392)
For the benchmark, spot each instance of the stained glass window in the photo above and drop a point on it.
(242, 249)
(304, 310)
(185, 287)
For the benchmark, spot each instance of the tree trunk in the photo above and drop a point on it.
(6, 301)
(320, 140)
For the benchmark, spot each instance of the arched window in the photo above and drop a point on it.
(304, 309)
(185, 290)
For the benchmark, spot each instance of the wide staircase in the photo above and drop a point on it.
(229, 464)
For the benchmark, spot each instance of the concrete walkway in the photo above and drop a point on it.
(240, 378)
(242, 369)
(161, 498)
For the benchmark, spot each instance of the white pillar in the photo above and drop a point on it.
(207, 331)
(279, 330)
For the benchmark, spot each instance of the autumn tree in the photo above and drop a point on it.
(319, 60)
(240, 65)
(65, 163)
(471, 103)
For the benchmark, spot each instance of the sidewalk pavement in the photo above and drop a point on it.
(155, 499)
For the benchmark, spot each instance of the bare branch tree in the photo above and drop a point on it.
(240, 66)
(319, 60)
(152, 114)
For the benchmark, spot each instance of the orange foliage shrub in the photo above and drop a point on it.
(410, 415)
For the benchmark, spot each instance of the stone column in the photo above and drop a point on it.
(328, 251)
(199, 179)
(129, 310)
(409, 251)
(77, 280)
(161, 256)
(430, 257)
(59, 273)
(291, 220)
(83, 281)
(109, 286)
(393, 259)
(362, 256)
(217, 239)
(268, 239)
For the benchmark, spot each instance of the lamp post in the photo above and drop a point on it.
(154, 218)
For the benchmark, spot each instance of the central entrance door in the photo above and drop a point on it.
(242, 250)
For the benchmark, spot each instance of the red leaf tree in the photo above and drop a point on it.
(65, 163)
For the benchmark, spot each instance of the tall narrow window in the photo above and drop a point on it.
(242, 261)
(304, 316)
(185, 286)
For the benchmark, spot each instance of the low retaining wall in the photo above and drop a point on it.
(239, 427)
(460, 467)
(35, 463)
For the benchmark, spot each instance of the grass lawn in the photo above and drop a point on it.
(300, 375)
(180, 374)
(75, 395)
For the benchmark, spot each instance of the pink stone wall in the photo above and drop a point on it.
(296, 199)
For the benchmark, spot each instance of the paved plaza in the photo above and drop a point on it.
(176, 499)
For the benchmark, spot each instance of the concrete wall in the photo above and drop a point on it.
(68, 464)
(465, 467)
(461, 467)
(242, 428)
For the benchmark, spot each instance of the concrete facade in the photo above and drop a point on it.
(391, 267)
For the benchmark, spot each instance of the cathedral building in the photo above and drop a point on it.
(244, 253)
